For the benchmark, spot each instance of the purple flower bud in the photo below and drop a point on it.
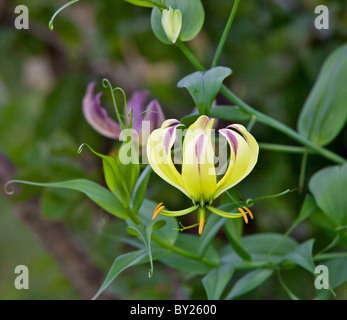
(145, 118)
(97, 116)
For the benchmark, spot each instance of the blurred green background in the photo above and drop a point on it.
(275, 54)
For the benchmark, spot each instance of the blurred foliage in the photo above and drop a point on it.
(275, 54)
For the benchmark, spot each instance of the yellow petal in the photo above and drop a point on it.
(244, 155)
(159, 146)
(198, 170)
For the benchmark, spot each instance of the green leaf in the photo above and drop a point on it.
(204, 87)
(213, 225)
(325, 111)
(127, 260)
(249, 282)
(307, 209)
(337, 272)
(193, 17)
(144, 232)
(168, 233)
(128, 165)
(239, 249)
(190, 243)
(98, 194)
(233, 228)
(114, 180)
(302, 256)
(140, 189)
(329, 188)
(259, 245)
(216, 281)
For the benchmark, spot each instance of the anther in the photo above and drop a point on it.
(243, 214)
(158, 206)
(249, 212)
(201, 225)
(157, 210)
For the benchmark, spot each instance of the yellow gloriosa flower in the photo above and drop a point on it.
(198, 177)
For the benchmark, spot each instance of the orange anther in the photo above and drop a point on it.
(157, 211)
(249, 212)
(201, 225)
(158, 206)
(243, 214)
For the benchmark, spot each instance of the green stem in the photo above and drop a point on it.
(250, 202)
(251, 123)
(225, 34)
(183, 253)
(281, 148)
(330, 256)
(303, 171)
(172, 247)
(189, 55)
(273, 123)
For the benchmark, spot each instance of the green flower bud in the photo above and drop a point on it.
(172, 23)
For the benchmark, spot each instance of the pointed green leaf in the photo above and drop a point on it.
(249, 282)
(127, 162)
(325, 111)
(308, 207)
(144, 232)
(216, 281)
(127, 260)
(302, 255)
(329, 188)
(213, 225)
(339, 271)
(114, 180)
(168, 233)
(98, 194)
(140, 189)
(204, 87)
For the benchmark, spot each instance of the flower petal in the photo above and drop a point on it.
(137, 104)
(151, 120)
(159, 146)
(198, 171)
(97, 116)
(154, 114)
(244, 155)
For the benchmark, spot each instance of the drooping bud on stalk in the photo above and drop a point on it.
(172, 23)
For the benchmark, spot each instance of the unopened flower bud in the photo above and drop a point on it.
(172, 23)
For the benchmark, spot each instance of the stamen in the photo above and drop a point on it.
(249, 212)
(158, 206)
(243, 214)
(157, 211)
(201, 225)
